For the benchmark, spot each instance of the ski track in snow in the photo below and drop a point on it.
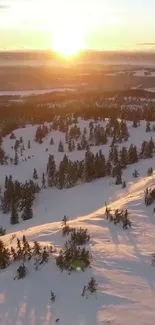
(121, 259)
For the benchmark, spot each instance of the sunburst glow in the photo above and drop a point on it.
(67, 42)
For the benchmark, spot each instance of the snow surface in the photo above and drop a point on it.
(150, 89)
(144, 73)
(121, 259)
(34, 92)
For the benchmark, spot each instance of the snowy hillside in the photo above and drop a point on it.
(121, 259)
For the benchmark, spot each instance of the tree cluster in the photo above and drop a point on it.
(18, 197)
(119, 216)
(24, 252)
(73, 253)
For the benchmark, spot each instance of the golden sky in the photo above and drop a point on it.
(95, 24)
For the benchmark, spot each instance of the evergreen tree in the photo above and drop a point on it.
(115, 156)
(21, 272)
(6, 182)
(84, 143)
(66, 137)
(108, 168)
(92, 285)
(43, 181)
(135, 123)
(36, 249)
(51, 141)
(16, 159)
(85, 131)
(61, 147)
(44, 256)
(51, 170)
(118, 179)
(79, 147)
(12, 136)
(53, 297)
(29, 144)
(73, 145)
(123, 157)
(16, 146)
(2, 231)
(27, 212)
(60, 176)
(150, 171)
(35, 175)
(70, 145)
(135, 173)
(64, 221)
(89, 166)
(132, 154)
(4, 256)
(2, 156)
(21, 140)
(148, 128)
(14, 215)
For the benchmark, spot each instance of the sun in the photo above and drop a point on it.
(67, 41)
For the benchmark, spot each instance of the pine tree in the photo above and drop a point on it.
(66, 137)
(70, 145)
(115, 156)
(21, 140)
(16, 146)
(4, 256)
(14, 215)
(148, 128)
(21, 272)
(12, 136)
(51, 170)
(6, 182)
(132, 154)
(51, 141)
(27, 212)
(123, 184)
(92, 285)
(16, 159)
(108, 168)
(44, 256)
(64, 221)
(35, 175)
(123, 157)
(73, 145)
(150, 171)
(84, 291)
(37, 251)
(26, 249)
(118, 179)
(135, 173)
(2, 231)
(53, 297)
(29, 144)
(89, 167)
(61, 147)
(43, 181)
(135, 123)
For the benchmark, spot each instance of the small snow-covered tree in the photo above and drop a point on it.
(35, 174)
(61, 147)
(14, 215)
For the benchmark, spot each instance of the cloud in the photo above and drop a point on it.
(4, 7)
(146, 44)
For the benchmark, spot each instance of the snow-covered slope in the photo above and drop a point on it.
(121, 258)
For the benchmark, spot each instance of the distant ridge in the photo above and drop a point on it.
(84, 55)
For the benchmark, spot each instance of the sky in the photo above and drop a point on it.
(91, 24)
